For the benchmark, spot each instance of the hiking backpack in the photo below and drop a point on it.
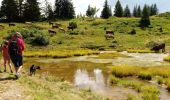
(13, 48)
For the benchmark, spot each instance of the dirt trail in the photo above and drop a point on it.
(11, 89)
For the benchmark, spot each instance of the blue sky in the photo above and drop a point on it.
(81, 5)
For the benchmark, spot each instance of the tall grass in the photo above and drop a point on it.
(59, 53)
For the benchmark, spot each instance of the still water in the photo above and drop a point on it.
(92, 73)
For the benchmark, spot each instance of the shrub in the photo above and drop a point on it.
(73, 24)
(133, 31)
(40, 41)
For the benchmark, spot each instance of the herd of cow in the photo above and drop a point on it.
(108, 35)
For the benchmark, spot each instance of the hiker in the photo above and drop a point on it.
(16, 47)
(6, 56)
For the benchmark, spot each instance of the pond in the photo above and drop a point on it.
(92, 73)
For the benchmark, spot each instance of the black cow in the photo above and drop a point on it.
(158, 46)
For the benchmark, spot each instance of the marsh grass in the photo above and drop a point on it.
(59, 53)
(140, 51)
(167, 59)
(110, 55)
(145, 75)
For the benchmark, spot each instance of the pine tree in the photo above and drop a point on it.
(155, 9)
(135, 11)
(145, 20)
(110, 11)
(64, 9)
(9, 10)
(118, 9)
(31, 10)
(139, 13)
(106, 11)
(20, 5)
(127, 12)
(88, 12)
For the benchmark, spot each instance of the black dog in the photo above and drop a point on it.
(33, 69)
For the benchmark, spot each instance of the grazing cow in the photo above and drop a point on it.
(159, 46)
(28, 23)
(11, 24)
(55, 26)
(70, 28)
(109, 34)
(52, 32)
(62, 29)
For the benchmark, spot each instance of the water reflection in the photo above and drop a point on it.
(96, 82)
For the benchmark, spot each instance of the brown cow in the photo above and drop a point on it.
(11, 24)
(109, 34)
(55, 26)
(52, 32)
(158, 46)
(62, 29)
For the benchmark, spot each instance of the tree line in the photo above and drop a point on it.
(29, 10)
(120, 12)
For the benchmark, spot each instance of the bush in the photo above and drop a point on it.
(133, 31)
(32, 36)
(73, 24)
(41, 41)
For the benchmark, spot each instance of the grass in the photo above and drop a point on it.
(147, 92)
(93, 30)
(59, 53)
(167, 59)
(143, 72)
(110, 55)
(51, 88)
(140, 51)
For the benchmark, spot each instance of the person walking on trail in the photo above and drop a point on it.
(16, 47)
(6, 56)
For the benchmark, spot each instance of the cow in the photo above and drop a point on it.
(11, 24)
(158, 46)
(62, 29)
(70, 28)
(28, 23)
(109, 34)
(52, 32)
(55, 26)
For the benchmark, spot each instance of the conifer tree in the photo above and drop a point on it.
(31, 10)
(118, 12)
(106, 11)
(145, 20)
(139, 13)
(127, 12)
(9, 10)
(64, 9)
(135, 11)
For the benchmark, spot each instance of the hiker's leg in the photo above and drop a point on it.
(5, 65)
(10, 65)
(18, 69)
